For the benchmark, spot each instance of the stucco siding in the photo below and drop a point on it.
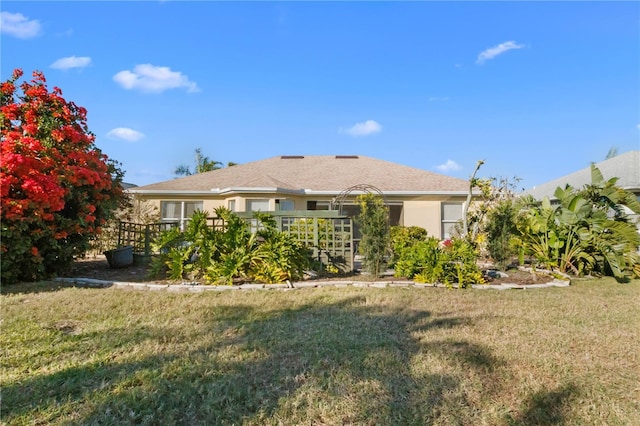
(210, 205)
(425, 214)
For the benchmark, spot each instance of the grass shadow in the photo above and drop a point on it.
(546, 407)
(253, 365)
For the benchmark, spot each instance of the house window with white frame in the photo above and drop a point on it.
(451, 214)
(258, 205)
(231, 204)
(179, 211)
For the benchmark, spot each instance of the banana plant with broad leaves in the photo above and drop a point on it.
(588, 231)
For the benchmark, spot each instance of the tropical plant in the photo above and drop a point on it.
(588, 232)
(473, 182)
(231, 252)
(500, 228)
(373, 221)
(420, 257)
(202, 164)
(432, 261)
(493, 192)
(57, 188)
(403, 237)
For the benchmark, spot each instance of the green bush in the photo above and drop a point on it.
(373, 221)
(500, 229)
(432, 261)
(232, 253)
(588, 232)
(403, 237)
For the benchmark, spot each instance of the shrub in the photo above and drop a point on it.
(500, 229)
(57, 188)
(588, 232)
(231, 253)
(373, 221)
(432, 261)
(403, 237)
(420, 257)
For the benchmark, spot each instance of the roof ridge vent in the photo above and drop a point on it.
(347, 156)
(291, 157)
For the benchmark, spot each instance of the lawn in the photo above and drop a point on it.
(324, 356)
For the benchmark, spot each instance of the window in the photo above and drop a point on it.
(285, 205)
(179, 211)
(257, 205)
(451, 213)
(232, 205)
(317, 205)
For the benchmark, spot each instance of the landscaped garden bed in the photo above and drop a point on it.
(96, 269)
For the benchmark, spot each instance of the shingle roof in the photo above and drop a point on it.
(625, 166)
(309, 174)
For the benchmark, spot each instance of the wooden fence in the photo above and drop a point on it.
(329, 236)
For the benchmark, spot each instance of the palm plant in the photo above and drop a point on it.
(202, 164)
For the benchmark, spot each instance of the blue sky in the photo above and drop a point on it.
(535, 89)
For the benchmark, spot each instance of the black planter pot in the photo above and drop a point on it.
(120, 257)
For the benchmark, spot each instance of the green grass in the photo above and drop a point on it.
(322, 356)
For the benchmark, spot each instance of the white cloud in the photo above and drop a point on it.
(66, 33)
(368, 127)
(152, 79)
(125, 134)
(449, 166)
(18, 25)
(71, 62)
(492, 52)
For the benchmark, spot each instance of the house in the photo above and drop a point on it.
(301, 183)
(626, 167)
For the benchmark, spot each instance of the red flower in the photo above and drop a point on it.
(48, 162)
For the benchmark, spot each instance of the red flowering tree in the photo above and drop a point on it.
(56, 186)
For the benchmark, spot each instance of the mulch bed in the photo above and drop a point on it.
(98, 268)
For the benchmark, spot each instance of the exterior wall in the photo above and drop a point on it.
(210, 205)
(425, 214)
(149, 203)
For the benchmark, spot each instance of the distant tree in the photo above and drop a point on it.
(203, 164)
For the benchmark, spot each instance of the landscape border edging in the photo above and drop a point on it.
(196, 288)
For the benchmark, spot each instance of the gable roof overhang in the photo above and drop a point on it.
(287, 191)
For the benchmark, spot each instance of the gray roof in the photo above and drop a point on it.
(316, 174)
(625, 166)
(126, 185)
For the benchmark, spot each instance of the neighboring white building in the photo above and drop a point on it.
(626, 167)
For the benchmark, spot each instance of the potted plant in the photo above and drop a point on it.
(120, 257)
